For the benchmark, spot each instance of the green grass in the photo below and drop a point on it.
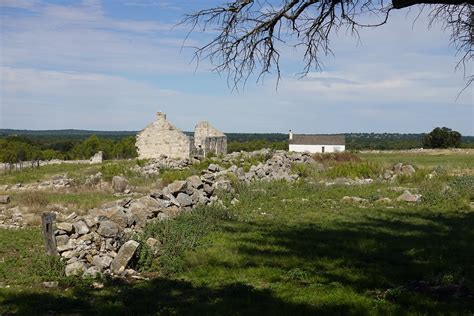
(284, 249)
(446, 161)
(81, 200)
(36, 174)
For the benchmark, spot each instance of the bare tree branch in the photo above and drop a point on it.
(251, 34)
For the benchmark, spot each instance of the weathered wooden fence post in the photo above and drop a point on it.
(47, 222)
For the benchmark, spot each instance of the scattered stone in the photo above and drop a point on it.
(76, 268)
(195, 182)
(184, 200)
(119, 184)
(50, 284)
(213, 168)
(4, 199)
(124, 255)
(152, 242)
(81, 228)
(384, 200)
(65, 226)
(409, 197)
(108, 228)
(91, 272)
(177, 187)
(354, 199)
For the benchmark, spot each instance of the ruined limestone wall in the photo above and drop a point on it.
(209, 139)
(216, 145)
(161, 138)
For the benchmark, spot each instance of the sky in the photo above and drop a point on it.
(111, 64)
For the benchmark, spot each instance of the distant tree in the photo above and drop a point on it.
(125, 148)
(442, 137)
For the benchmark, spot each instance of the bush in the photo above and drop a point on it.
(442, 137)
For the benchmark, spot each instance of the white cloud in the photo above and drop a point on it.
(74, 66)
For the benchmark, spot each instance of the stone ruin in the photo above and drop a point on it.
(160, 138)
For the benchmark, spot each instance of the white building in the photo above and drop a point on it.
(317, 143)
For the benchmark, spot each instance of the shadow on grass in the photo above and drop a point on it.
(158, 296)
(407, 255)
(427, 257)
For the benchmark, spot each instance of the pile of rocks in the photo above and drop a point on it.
(100, 242)
(95, 243)
(10, 218)
(397, 170)
(154, 166)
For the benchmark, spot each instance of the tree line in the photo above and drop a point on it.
(121, 145)
(20, 148)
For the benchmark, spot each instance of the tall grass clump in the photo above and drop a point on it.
(331, 158)
(109, 170)
(366, 169)
(34, 199)
(175, 237)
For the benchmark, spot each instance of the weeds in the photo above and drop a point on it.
(366, 169)
(182, 234)
(332, 158)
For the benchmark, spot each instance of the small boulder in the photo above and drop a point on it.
(354, 199)
(4, 199)
(184, 200)
(67, 227)
(124, 255)
(108, 229)
(407, 196)
(81, 228)
(177, 187)
(76, 268)
(408, 170)
(195, 182)
(119, 184)
(92, 272)
(213, 168)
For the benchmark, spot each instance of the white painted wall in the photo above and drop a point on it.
(317, 148)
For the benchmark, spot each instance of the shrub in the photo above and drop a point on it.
(354, 170)
(442, 137)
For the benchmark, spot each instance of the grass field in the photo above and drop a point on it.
(284, 249)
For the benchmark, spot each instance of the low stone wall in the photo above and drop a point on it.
(100, 242)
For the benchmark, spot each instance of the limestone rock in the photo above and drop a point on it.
(184, 200)
(4, 199)
(354, 199)
(195, 182)
(124, 255)
(177, 187)
(81, 228)
(108, 229)
(67, 227)
(213, 168)
(76, 268)
(91, 272)
(408, 170)
(409, 197)
(119, 184)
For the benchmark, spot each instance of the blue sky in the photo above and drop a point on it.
(110, 65)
